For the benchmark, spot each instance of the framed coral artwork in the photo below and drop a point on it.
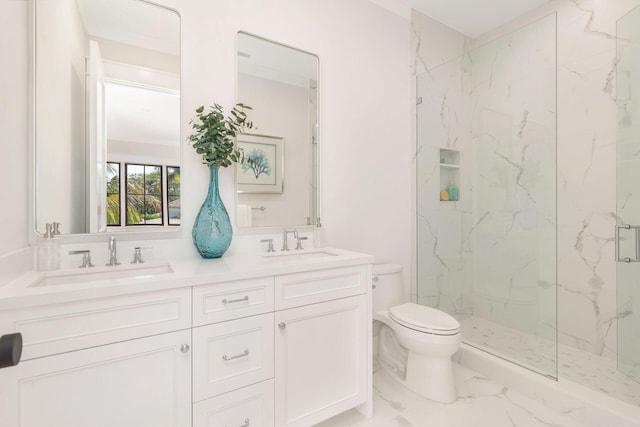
(263, 168)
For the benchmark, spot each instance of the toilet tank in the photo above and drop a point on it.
(387, 290)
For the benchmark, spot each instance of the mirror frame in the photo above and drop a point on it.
(317, 172)
(135, 233)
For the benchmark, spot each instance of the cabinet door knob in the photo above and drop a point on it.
(282, 325)
(10, 350)
(185, 348)
(246, 423)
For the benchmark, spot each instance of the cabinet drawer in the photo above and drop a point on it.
(249, 406)
(231, 355)
(60, 328)
(309, 287)
(232, 300)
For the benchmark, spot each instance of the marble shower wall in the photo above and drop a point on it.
(444, 247)
(587, 309)
(514, 158)
(586, 159)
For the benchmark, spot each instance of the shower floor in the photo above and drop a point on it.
(539, 355)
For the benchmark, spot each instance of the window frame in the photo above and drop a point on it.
(119, 193)
(167, 195)
(161, 198)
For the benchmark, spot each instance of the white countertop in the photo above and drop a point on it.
(20, 293)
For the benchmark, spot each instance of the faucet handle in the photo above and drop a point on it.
(270, 246)
(137, 254)
(86, 257)
(299, 244)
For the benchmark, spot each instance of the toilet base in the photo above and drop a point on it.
(429, 370)
(431, 377)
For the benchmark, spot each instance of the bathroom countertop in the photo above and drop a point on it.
(21, 292)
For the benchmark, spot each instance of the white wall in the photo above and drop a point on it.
(60, 89)
(364, 108)
(14, 77)
(364, 97)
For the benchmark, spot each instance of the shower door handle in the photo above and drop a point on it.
(636, 229)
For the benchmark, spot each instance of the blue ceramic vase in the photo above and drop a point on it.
(212, 230)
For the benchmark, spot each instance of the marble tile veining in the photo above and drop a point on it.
(579, 366)
(506, 66)
(481, 403)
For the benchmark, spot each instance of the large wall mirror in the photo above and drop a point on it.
(281, 186)
(107, 116)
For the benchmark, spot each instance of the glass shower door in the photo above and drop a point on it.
(627, 230)
(486, 194)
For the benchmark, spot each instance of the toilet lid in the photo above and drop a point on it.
(424, 319)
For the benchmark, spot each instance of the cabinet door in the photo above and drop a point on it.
(321, 360)
(138, 383)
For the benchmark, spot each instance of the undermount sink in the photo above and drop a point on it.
(305, 254)
(138, 271)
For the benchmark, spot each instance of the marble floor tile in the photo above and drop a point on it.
(535, 353)
(481, 403)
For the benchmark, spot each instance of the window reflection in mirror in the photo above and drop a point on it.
(280, 83)
(107, 95)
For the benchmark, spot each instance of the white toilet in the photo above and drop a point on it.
(415, 342)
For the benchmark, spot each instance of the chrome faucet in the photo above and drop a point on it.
(285, 235)
(86, 257)
(113, 253)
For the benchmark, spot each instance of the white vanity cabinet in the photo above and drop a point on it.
(118, 361)
(287, 349)
(300, 356)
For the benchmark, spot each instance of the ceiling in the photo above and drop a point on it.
(139, 24)
(140, 114)
(470, 17)
(273, 61)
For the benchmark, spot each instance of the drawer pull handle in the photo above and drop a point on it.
(231, 301)
(246, 423)
(282, 325)
(237, 356)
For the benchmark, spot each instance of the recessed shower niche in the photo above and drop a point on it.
(449, 175)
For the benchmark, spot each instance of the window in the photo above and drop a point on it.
(173, 195)
(113, 193)
(144, 195)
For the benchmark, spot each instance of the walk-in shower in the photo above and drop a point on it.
(487, 185)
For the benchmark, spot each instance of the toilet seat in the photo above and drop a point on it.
(424, 319)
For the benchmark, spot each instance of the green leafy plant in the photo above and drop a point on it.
(214, 134)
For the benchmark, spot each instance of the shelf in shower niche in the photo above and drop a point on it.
(449, 165)
(449, 158)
